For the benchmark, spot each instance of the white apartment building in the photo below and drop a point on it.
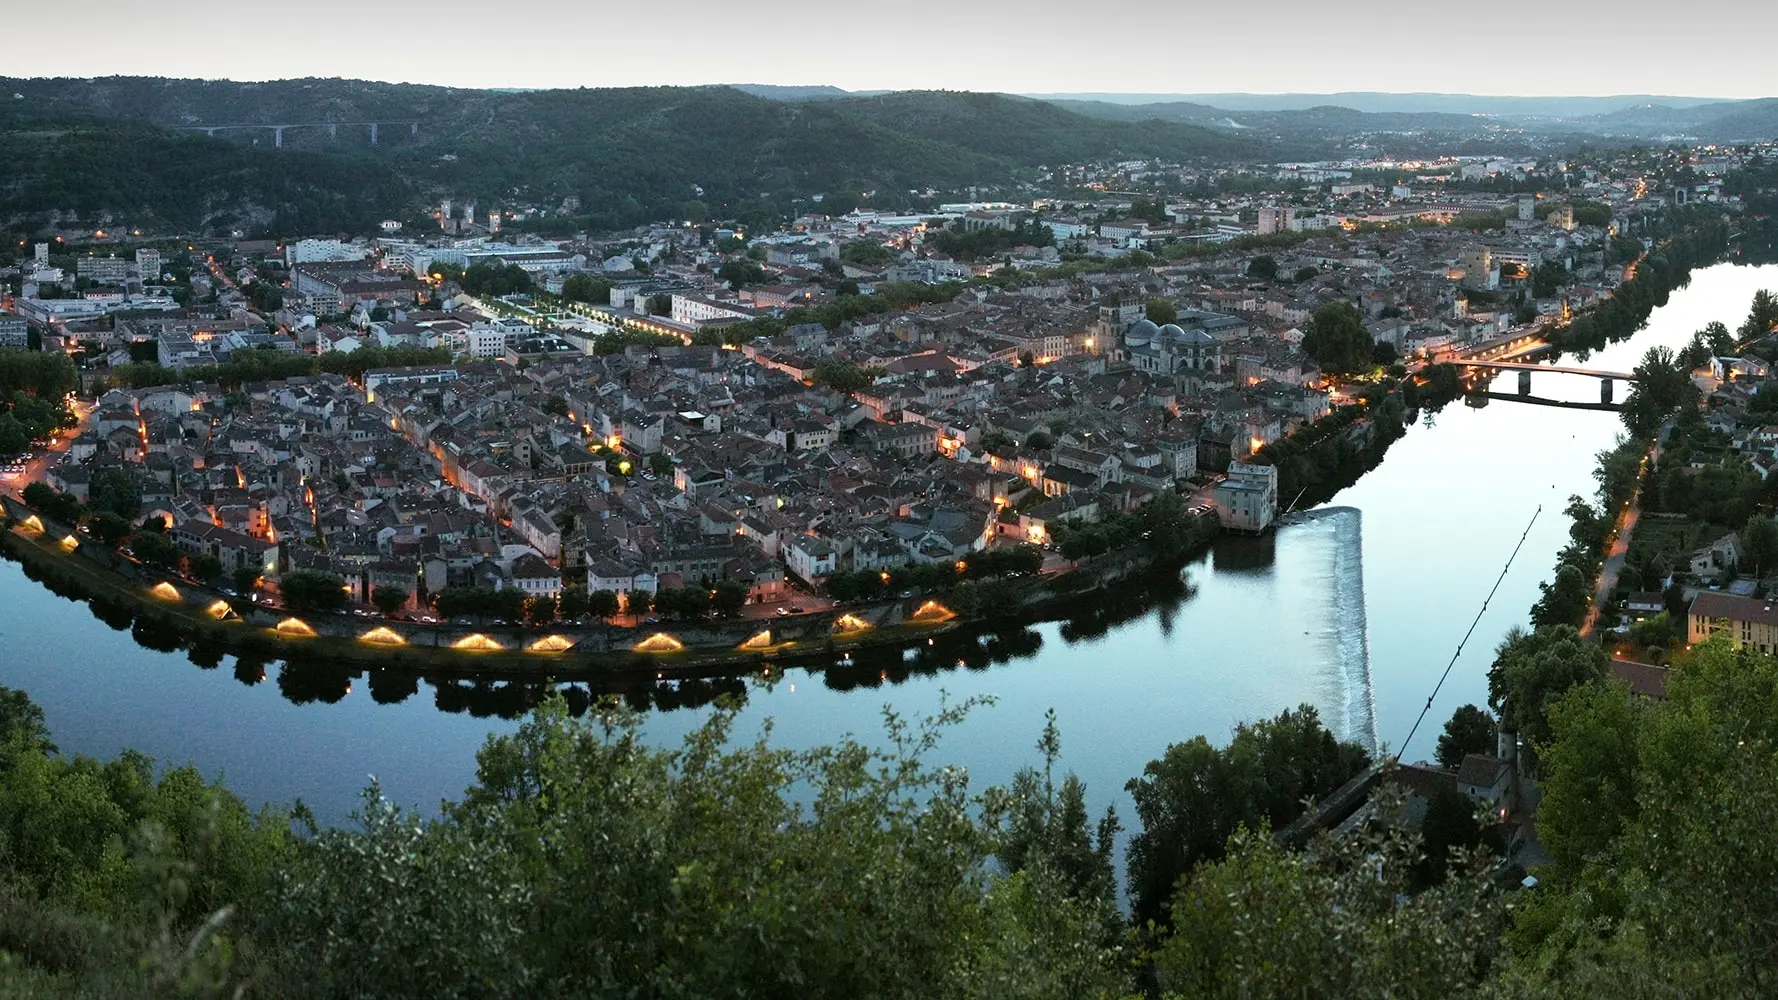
(693, 310)
(103, 270)
(316, 251)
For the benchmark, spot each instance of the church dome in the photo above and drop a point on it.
(1141, 333)
(1172, 331)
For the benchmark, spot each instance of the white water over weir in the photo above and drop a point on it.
(1344, 634)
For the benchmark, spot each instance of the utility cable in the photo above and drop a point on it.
(1472, 627)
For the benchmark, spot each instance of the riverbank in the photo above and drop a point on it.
(167, 613)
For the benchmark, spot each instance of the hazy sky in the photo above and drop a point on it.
(1706, 48)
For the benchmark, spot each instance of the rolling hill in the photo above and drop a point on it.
(628, 154)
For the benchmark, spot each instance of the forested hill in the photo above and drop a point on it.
(628, 154)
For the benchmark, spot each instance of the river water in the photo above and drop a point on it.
(1356, 610)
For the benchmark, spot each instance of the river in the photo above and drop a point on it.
(1356, 610)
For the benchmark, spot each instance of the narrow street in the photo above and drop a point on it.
(1617, 544)
(15, 483)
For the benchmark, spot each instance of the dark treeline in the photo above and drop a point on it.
(1697, 237)
(1330, 454)
(244, 367)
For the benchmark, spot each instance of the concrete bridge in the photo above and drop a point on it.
(278, 129)
(1482, 398)
(1607, 379)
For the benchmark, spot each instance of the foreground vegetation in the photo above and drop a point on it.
(584, 862)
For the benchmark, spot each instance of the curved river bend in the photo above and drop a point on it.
(1356, 610)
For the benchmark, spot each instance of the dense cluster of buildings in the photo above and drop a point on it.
(992, 415)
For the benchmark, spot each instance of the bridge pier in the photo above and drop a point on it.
(413, 128)
(373, 133)
(1524, 382)
(1605, 390)
(333, 132)
(278, 136)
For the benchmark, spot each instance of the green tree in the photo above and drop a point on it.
(844, 376)
(602, 603)
(730, 598)
(541, 609)
(109, 529)
(21, 720)
(587, 288)
(707, 870)
(506, 604)
(868, 253)
(1045, 825)
(204, 567)
(1565, 599)
(1548, 278)
(1762, 316)
(638, 602)
(1469, 730)
(1662, 386)
(1759, 545)
(388, 599)
(1161, 311)
(460, 602)
(312, 591)
(495, 279)
(574, 603)
(1191, 799)
(1660, 828)
(1533, 670)
(1263, 267)
(1588, 772)
(1449, 832)
(1341, 920)
(1337, 339)
(154, 549)
(741, 273)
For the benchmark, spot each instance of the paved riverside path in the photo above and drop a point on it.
(1618, 542)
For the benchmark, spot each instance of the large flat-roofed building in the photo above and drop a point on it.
(15, 331)
(103, 270)
(1248, 499)
(1747, 621)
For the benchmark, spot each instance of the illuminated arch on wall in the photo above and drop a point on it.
(850, 623)
(383, 635)
(295, 626)
(933, 611)
(477, 643)
(660, 642)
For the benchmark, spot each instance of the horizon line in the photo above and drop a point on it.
(865, 91)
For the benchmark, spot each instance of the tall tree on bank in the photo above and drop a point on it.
(1191, 799)
(1337, 339)
(1469, 730)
